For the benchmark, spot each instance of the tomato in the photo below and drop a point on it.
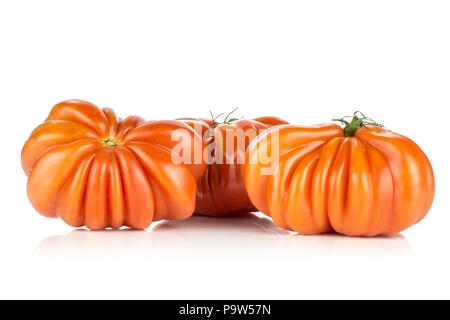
(89, 168)
(221, 192)
(361, 180)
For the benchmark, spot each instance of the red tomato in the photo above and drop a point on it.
(89, 168)
(361, 180)
(221, 192)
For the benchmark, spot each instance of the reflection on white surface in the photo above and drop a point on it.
(244, 237)
(334, 245)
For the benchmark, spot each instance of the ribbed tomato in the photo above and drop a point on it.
(361, 180)
(221, 191)
(89, 168)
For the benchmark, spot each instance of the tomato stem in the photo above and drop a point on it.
(215, 123)
(110, 142)
(358, 120)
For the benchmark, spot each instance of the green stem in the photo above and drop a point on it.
(215, 123)
(357, 121)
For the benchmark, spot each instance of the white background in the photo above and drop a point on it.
(304, 61)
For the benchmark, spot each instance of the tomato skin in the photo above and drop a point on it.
(376, 182)
(221, 191)
(73, 175)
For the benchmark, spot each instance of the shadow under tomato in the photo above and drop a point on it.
(332, 245)
(198, 234)
(248, 236)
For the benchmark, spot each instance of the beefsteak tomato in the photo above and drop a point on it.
(221, 191)
(360, 180)
(90, 168)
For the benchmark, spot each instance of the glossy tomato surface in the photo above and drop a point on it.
(375, 182)
(91, 169)
(221, 191)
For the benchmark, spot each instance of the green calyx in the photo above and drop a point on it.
(358, 120)
(110, 142)
(226, 120)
